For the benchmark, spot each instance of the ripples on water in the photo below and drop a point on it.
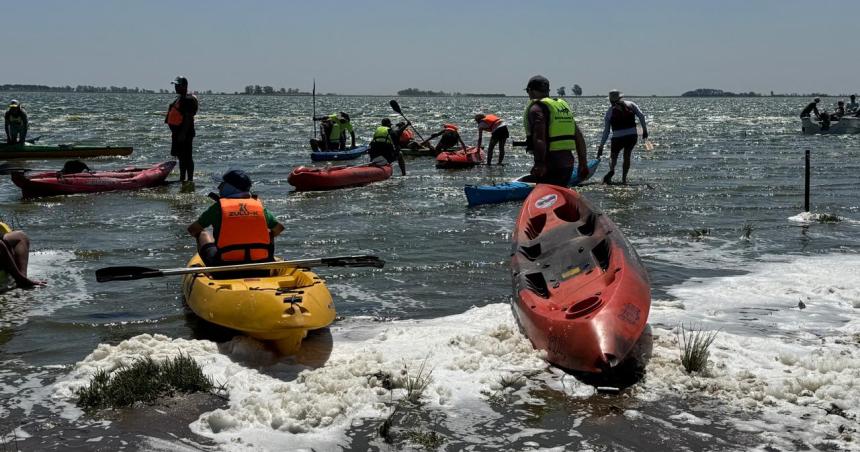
(720, 166)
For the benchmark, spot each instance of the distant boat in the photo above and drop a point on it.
(843, 126)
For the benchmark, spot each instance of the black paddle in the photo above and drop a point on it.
(130, 273)
(396, 107)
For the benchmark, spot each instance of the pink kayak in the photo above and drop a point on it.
(55, 183)
(330, 178)
(464, 158)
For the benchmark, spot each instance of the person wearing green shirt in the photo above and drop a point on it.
(243, 231)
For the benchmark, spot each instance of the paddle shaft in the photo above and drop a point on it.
(396, 108)
(133, 273)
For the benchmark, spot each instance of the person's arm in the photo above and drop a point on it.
(352, 135)
(540, 144)
(641, 117)
(6, 127)
(606, 119)
(581, 154)
(26, 119)
(188, 118)
(460, 139)
(195, 229)
(277, 230)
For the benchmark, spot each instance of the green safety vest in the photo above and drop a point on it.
(562, 126)
(382, 135)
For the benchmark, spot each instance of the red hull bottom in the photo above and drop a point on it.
(580, 290)
(334, 177)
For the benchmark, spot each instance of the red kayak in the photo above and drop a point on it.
(580, 291)
(56, 183)
(464, 158)
(332, 177)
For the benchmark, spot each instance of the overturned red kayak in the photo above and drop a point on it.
(463, 158)
(580, 291)
(330, 178)
(56, 183)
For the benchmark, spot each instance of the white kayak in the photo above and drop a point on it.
(849, 124)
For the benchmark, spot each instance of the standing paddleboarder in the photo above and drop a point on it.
(180, 119)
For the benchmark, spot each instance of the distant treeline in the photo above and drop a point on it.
(419, 92)
(258, 90)
(710, 92)
(76, 89)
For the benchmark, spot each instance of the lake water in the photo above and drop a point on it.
(714, 210)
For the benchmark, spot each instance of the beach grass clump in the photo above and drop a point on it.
(414, 383)
(426, 439)
(144, 381)
(694, 344)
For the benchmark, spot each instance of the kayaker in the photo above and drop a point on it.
(552, 136)
(180, 119)
(16, 123)
(385, 147)
(14, 257)
(334, 130)
(852, 106)
(404, 135)
(450, 137)
(498, 134)
(811, 108)
(840, 111)
(621, 118)
(243, 231)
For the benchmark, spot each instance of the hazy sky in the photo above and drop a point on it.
(379, 47)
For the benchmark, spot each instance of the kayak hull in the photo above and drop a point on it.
(467, 158)
(280, 307)
(52, 183)
(61, 151)
(581, 293)
(515, 190)
(334, 177)
(348, 154)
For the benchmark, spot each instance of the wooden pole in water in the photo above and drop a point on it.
(806, 185)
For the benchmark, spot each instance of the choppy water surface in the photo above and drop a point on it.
(713, 211)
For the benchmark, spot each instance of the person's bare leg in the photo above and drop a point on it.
(490, 150)
(502, 150)
(628, 151)
(14, 258)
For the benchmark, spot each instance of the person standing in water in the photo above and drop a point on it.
(498, 134)
(852, 106)
(552, 136)
(621, 118)
(16, 123)
(180, 119)
(811, 108)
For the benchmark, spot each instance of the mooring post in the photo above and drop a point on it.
(806, 185)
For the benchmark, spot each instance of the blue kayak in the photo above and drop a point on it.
(346, 154)
(515, 190)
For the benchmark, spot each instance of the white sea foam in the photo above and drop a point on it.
(779, 372)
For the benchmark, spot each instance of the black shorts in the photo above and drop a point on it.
(181, 149)
(554, 176)
(627, 143)
(500, 134)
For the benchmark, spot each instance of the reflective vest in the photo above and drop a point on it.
(450, 127)
(244, 235)
(491, 122)
(561, 127)
(174, 116)
(623, 118)
(382, 135)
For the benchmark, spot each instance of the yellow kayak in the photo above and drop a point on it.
(281, 308)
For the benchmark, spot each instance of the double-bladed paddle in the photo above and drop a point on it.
(131, 273)
(396, 107)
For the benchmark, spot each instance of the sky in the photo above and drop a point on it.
(379, 47)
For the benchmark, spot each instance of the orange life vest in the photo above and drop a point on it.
(450, 127)
(406, 136)
(492, 122)
(244, 235)
(174, 116)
